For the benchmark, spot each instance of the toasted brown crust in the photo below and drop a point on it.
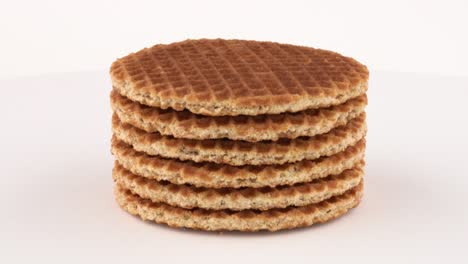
(240, 152)
(246, 220)
(213, 175)
(184, 124)
(237, 77)
(187, 196)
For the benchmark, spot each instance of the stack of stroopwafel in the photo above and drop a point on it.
(238, 135)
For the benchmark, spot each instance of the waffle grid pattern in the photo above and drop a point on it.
(232, 77)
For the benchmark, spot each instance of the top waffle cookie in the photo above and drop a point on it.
(238, 77)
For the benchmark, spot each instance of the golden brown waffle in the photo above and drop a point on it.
(187, 196)
(237, 77)
(246, 220)
(214, 175)
(241, 152)
(184, 124)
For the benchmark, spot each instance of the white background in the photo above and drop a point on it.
(55, 182)
(57, 36)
